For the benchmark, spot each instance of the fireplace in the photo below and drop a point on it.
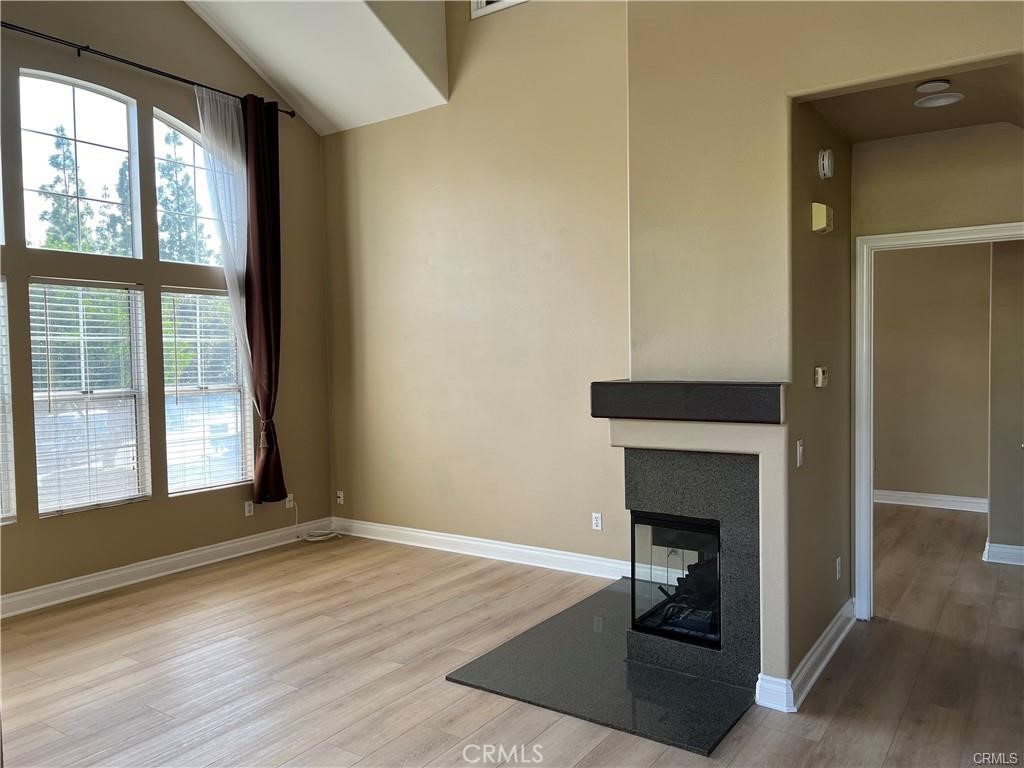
(676, 584)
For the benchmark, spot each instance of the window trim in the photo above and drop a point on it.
(478, 8)
(135, 204)
(10, 487)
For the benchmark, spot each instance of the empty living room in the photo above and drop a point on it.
(520, 383)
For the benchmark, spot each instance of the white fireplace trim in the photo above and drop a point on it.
(787, 694)
(768, 442)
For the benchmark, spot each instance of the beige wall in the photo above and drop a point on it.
(708, 88)
(1006, 503)
(170, 36)
(478, 278)
(819, 491)
(955, 178)
(931, 311)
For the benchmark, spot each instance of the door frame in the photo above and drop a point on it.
(863, 367)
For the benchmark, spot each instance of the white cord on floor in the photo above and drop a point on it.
(313, 536)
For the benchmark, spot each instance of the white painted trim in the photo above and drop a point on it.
(555, 559)
(863, 406)
(82, 586)
(775, 693)
(787, 694)
(933, 500)
(478, 8)
(1007, 554)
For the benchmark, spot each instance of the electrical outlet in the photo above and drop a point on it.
(289, 502)
(596, 521)
(800, 452)
(339, 497)
(839, 567)
(250, 509)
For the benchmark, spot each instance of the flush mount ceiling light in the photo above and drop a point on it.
(933, 86)
(939, 100)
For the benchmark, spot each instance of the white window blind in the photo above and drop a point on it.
(7, 510)
(89, 388)
(209, 416)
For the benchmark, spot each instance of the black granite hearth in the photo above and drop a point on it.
(575, 663)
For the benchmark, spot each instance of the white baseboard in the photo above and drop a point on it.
(1007, 554)
(35, 598)
(787, 694)
(555, 559)
(935, 500)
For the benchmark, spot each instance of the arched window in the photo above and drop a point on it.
(78, 171)
(185, 217)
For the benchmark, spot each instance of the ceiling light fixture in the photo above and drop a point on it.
(933, 86)
(939, 100)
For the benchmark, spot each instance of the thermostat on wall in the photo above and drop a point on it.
(821, 218)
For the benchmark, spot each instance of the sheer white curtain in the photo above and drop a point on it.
(223, 135)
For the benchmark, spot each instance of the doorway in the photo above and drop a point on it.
(867, 248)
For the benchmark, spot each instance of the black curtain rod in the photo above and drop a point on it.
(103, 54)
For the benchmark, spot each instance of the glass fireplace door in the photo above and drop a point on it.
(676, 582)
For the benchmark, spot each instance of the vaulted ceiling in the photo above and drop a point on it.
(340, 64)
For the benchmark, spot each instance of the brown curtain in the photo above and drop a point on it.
(263, 288)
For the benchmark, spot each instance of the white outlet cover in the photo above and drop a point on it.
(596, 521)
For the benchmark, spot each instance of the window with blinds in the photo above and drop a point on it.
(209, 415)
(7, 511)
(89, 391)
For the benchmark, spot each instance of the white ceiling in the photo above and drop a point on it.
(342, 63)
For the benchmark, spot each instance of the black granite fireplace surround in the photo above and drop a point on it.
(720, 487)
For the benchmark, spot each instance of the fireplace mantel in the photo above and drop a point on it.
(745, 402)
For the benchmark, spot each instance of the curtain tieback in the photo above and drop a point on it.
(263, 432)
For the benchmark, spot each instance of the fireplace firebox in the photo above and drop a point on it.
(676, 584)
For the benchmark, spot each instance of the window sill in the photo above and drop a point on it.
(210, 489)
(87, 507)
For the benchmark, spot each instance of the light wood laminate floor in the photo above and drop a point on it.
(334, 655)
